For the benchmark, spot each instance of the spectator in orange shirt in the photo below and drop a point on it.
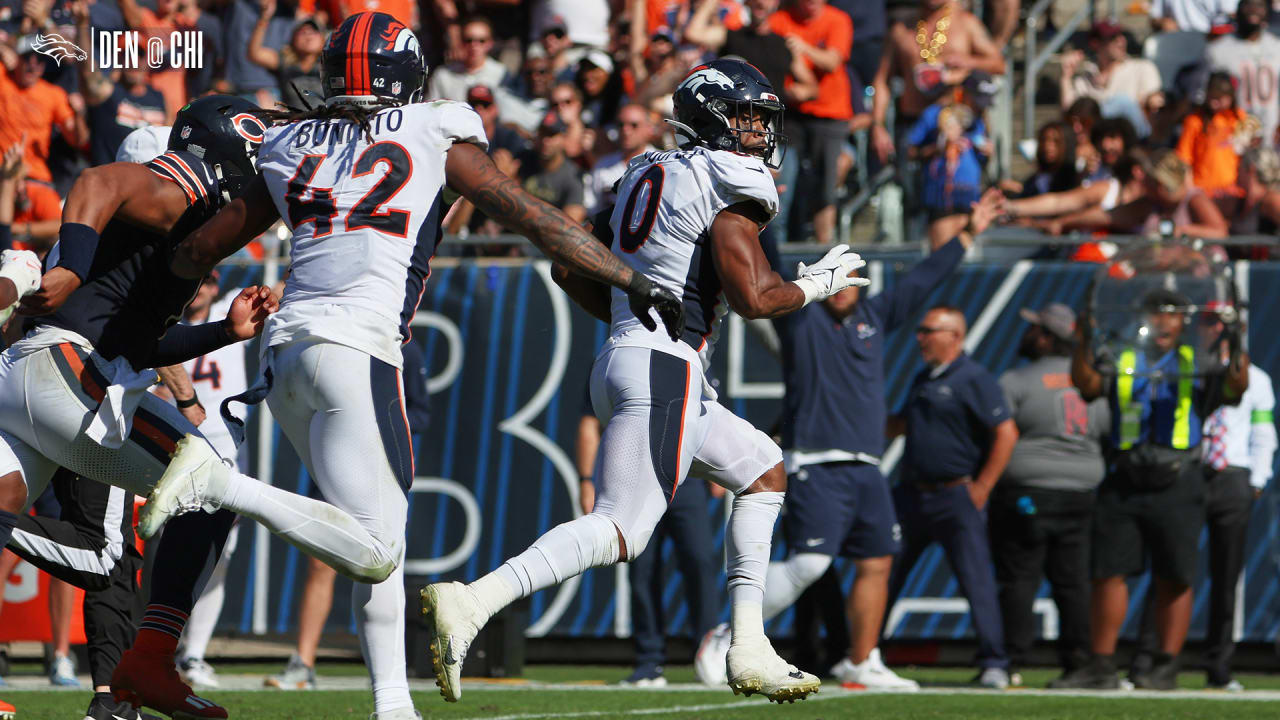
(30, 211)
(31, 107)
(818, 128)
(405, 11)
(1214, 137)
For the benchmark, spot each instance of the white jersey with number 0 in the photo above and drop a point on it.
(365, 219)
(662, 228)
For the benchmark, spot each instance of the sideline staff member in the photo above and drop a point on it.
(959, 439)
(1153, 502)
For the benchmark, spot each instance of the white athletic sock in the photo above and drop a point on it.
(379, 613)
(563, 552)
(786, 580)
(749, 540)
(313, 526)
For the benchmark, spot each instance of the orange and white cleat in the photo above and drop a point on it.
(7, 711)
(151, 679)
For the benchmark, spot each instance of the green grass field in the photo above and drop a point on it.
(585, 692)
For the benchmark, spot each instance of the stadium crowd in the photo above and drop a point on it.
(570, 90)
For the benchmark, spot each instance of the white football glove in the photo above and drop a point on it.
(830, 275)
(23, 268)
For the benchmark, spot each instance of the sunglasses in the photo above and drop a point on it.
(478, 104)
(557, 33)
(475, 40)
(926, 330)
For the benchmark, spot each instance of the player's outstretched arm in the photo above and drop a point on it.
(473, 175)
(752, 288)
(124, 191)
(242, 220)
(590, 295)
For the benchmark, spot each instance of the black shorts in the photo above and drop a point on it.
(842, 509)
(1130, 526)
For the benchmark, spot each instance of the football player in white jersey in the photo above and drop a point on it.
(690, 219)
(360, 181)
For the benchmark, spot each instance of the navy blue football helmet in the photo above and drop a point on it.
(224, 131)
(715, 98)
(373, 59)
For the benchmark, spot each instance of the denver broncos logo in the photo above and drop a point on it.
(704, 75)
(58, 48)
(399, 37)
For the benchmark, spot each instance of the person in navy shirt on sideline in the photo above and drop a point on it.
(832, 429)
(959, 437)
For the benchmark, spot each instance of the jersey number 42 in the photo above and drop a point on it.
(309, 204)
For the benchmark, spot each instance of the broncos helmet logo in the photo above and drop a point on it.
(399, 37)
(58, 48)
(705, 76)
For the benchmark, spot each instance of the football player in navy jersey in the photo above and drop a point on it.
(74, 388)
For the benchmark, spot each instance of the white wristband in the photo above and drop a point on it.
(812, 291)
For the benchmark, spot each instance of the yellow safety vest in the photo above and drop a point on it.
(1131, 410)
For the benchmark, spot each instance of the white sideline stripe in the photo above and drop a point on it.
(648, 711)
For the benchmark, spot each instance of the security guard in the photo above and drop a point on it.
(1152, 502)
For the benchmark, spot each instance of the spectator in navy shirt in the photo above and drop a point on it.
(959, 438)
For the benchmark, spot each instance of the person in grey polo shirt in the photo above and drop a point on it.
(1041, 509)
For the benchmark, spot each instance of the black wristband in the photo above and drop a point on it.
(77, 244)
(193, 400)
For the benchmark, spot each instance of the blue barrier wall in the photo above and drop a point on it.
(509, 357)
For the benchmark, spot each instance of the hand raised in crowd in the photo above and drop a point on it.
(249, 312)
(37, 12)
(266, 9)
(1070, 62)
(506, 162)
(80, 12)
(984, 212)
(13, 167)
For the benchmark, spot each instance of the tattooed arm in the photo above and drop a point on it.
(470, 172)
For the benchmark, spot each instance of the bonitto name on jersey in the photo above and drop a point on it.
(333, 131)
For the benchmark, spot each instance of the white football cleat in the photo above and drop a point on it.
(709, 663)
(872, 674)
(183, 488)
(454, 618)
(754, 667)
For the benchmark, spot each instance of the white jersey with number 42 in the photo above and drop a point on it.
(365, 218)
(662, 228)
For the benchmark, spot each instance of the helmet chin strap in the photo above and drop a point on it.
(222, 185)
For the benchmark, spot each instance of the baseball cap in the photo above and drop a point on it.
(479, 93)
(552, 124)
(1221, 24)
(1104, 30)
(1057, 318)
(599, 58)
(144, 144)
(315, 25)
(557, 26)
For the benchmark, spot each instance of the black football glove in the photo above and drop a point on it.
(643, 294)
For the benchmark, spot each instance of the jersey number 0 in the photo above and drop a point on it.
(321, 208)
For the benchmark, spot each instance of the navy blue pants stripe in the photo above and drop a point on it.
(392, 423)
(669, 389)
